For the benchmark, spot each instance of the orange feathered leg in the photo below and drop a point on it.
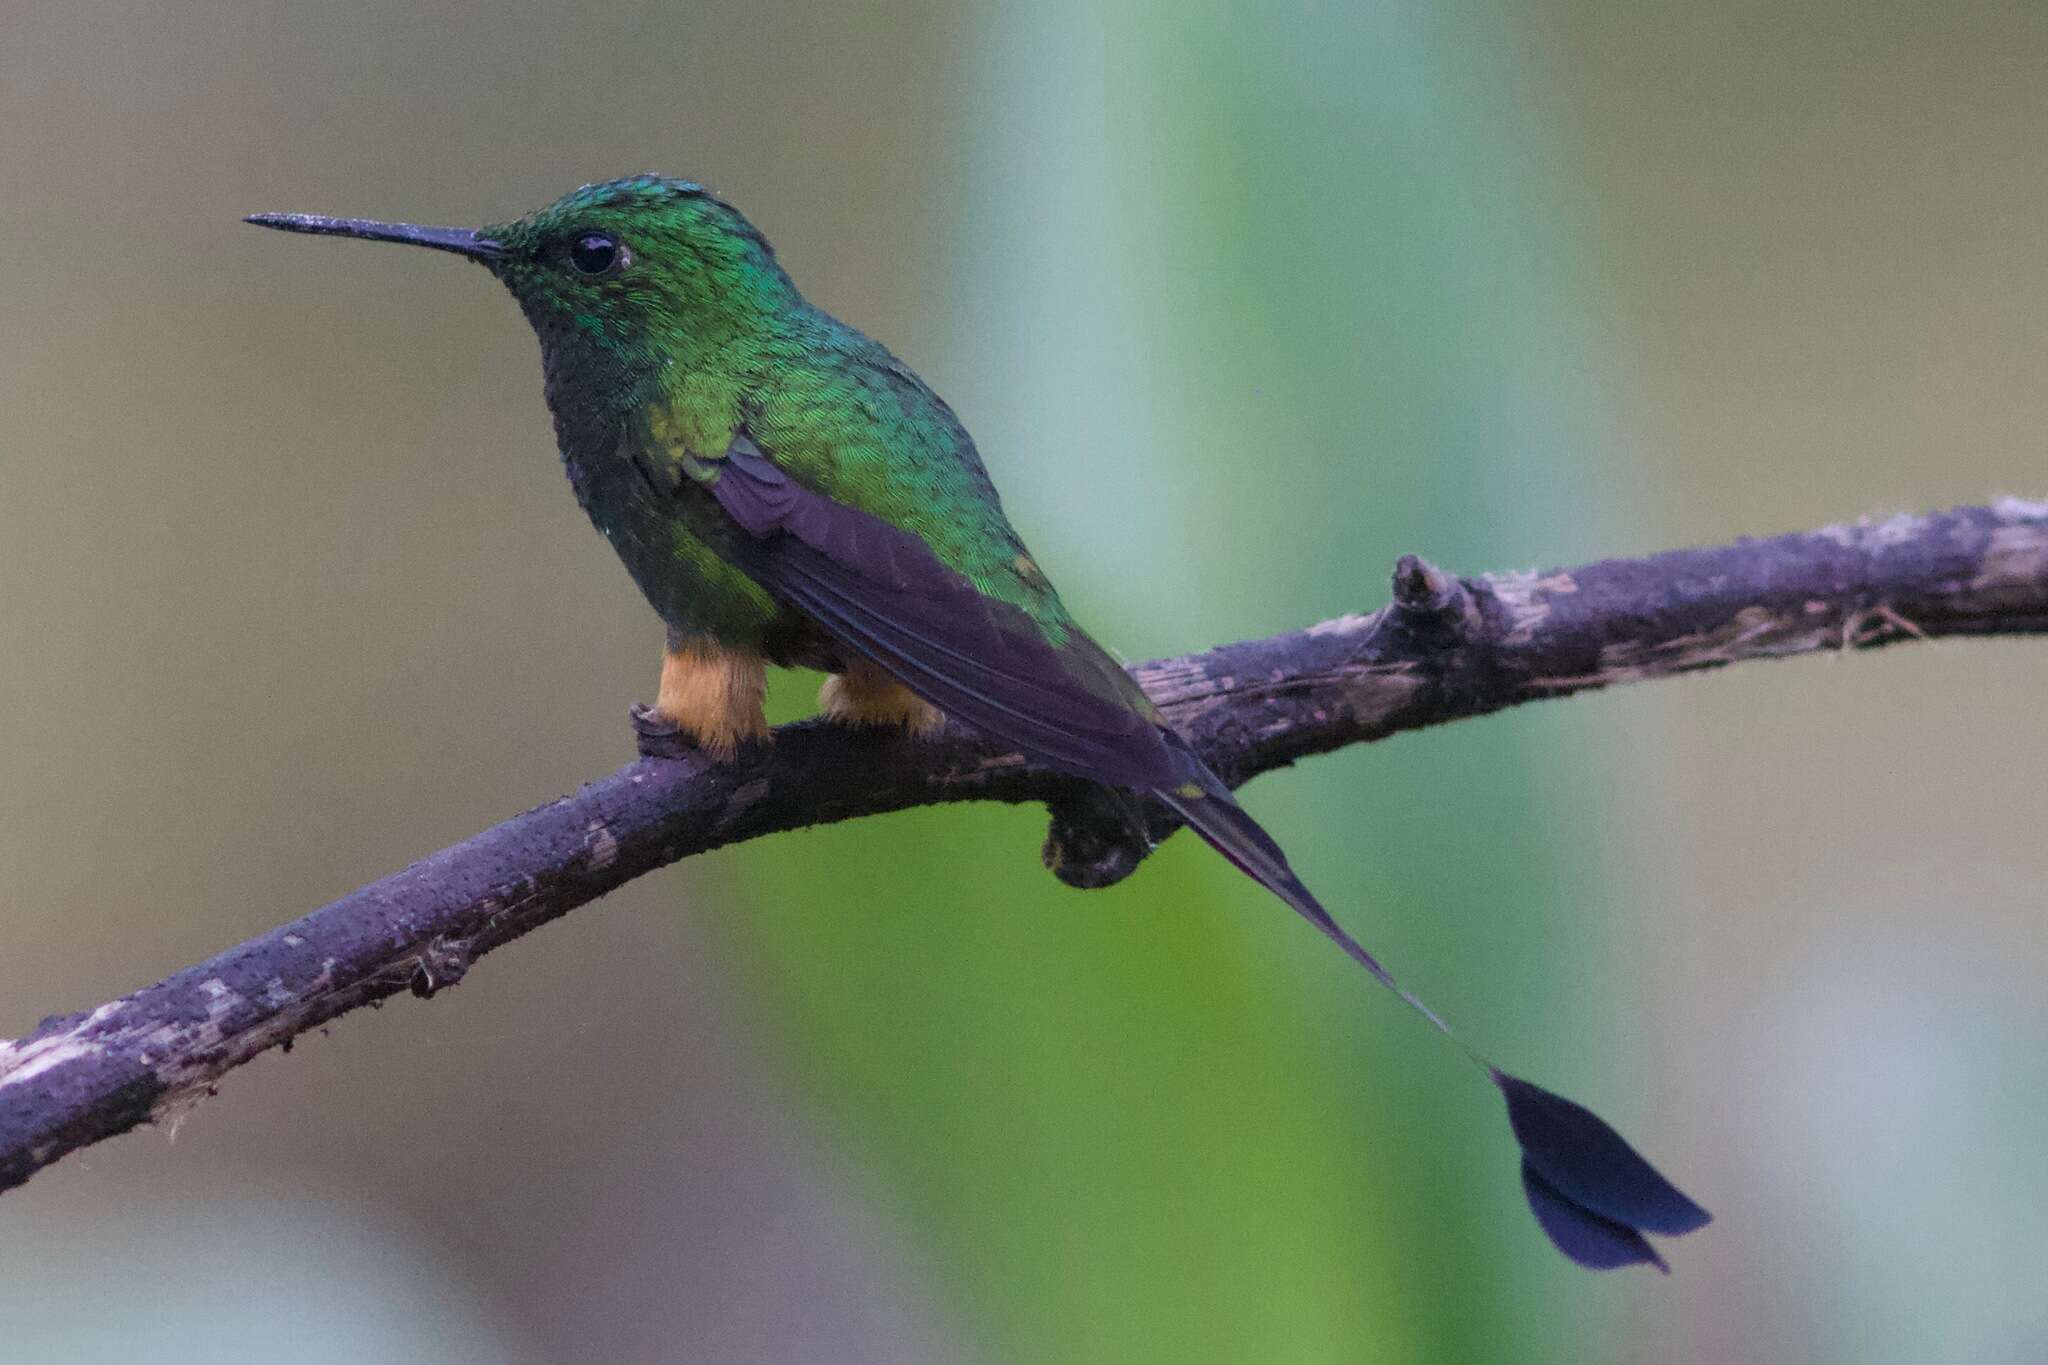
(713, 695)
(864, 695)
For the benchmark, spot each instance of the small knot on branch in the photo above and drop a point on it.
(1420, 585)
(441, 964)
(1433, 609)
(1422, 589)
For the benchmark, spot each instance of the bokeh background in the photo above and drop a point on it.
(1242, 301)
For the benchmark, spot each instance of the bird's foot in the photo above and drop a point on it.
(863, 696)
(659, 736)
(662, 736)
(709, 703)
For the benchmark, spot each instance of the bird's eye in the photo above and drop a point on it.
(595, 255)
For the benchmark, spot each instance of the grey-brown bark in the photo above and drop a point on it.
(1445, 648)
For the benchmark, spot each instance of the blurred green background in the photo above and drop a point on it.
(1241, 301)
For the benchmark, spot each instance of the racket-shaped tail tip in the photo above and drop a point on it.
(1593, 1195)
(1594, 1242)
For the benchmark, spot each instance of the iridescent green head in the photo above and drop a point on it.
(642, 259)
(619, 280)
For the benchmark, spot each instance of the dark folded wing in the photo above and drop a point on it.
(881, 591)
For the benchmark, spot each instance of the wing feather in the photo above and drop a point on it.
(882, 592)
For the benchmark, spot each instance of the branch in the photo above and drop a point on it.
(1445, 648)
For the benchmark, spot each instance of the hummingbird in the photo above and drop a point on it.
(785, 491)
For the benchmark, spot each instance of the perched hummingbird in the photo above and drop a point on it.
(784, 490)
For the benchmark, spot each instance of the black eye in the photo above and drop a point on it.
(596, 254)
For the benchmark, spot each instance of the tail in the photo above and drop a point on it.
(1592, 1194)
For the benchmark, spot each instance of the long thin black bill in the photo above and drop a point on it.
(461, 241)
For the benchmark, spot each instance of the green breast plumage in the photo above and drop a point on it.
(691, 586)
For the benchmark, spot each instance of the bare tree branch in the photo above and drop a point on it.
(1444, 649)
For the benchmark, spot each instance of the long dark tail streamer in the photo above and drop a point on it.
(1593, 1194)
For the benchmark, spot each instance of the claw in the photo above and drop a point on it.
(658, 736)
